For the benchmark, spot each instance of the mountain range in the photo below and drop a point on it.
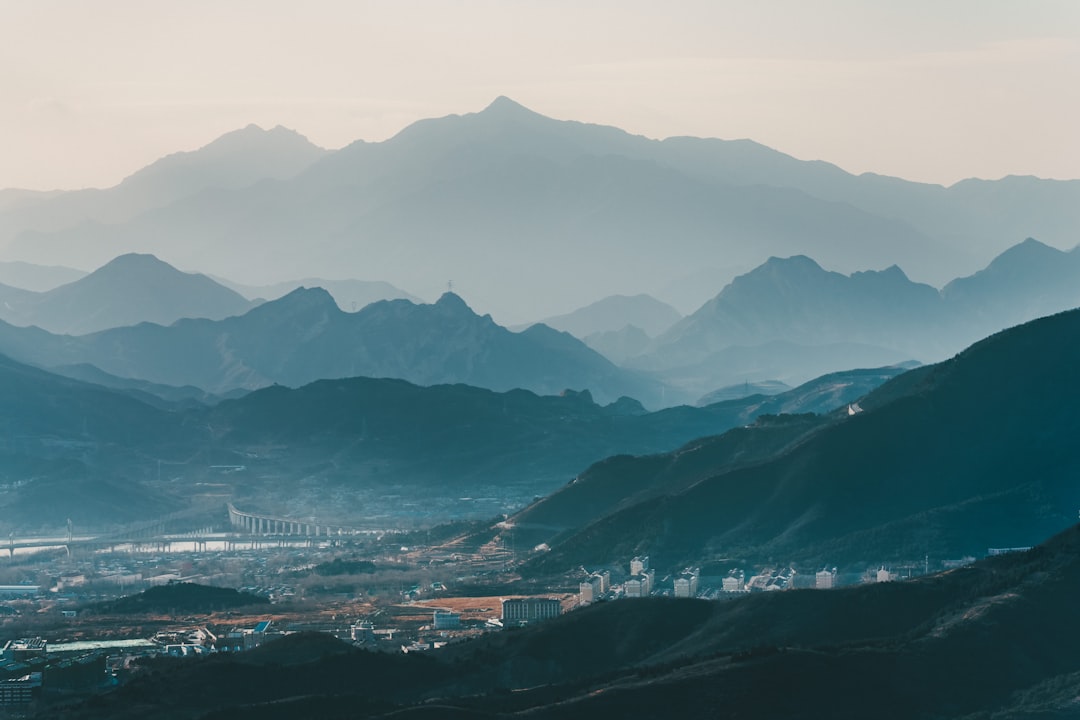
(305, 336)
(128, 290)
(236, 160)
(507, 203)
(790, 319)
(942, 461)
(616, 312)
(38, 278)
(350, 295)
(104, 456)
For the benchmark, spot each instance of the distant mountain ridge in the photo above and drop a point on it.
(789, 319)
(350, 295)
(128, 290)
(304, 337)
(615, 312)
(37, 278)
(507, 202)
(233, 161)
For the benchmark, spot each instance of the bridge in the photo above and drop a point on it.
(249, 529)
(259, 524)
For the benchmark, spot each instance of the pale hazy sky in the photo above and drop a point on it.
(924, 89)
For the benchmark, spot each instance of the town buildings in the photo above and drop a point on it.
(825, 579)
(446, 620)
(530, 609)
(734, 582)
(686, 584)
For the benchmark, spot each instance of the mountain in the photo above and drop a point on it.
(619, 346)
(789, 319)
(994, 639)
(75, 450)
(746, 389)
(946, 460)
(762, 427)
(795, 300)
(164, 396)
(363, 437)
(236, 160)
(37, 278)
(350, 295)
(387, 446)
(507, 203)
(126, 291)
(615, 313)
(1026, 281)
(304, 337)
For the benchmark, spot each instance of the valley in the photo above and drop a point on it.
(511, 416)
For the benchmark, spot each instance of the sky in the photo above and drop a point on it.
(925, 90)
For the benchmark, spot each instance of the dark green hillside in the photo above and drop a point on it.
(979, 451)
(34, 403)
(623, 481)
(69, 449)
(995, 639)
(178, 598)
(455, 433)
(102, 456)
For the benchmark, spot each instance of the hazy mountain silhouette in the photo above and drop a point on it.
(507, 203)
(304, 337)
(946, 460)
(37, 278)
(1026, 281)
(615, 312)
(744, 389)
(350, 295)
(789, 319)
(128, 290)
(795, 300)
(235, 160)
(618, 346)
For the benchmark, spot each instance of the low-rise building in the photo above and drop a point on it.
(24, 649)
(530, 609)
(363, 632)
(446, 620)
(825, 579)
(20, 691)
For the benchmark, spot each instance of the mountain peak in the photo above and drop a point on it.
(452, 301)
(134, 264)
(503, 105)
(134, 259)
(1029, 251)
(787, 267)
(301, 299)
